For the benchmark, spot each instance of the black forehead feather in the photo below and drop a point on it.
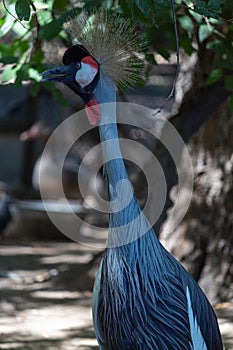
(74, 53)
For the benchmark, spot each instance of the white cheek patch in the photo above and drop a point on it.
(86, 74)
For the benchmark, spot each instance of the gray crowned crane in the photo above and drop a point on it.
(143, 298)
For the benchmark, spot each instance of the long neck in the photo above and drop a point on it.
(106, 97)
(125, 214)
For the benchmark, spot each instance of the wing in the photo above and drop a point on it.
(136, 318)
(135, 309)
(202, 318)
(203, 322)
(196, 335)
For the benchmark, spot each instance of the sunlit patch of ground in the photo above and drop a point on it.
(45, 298)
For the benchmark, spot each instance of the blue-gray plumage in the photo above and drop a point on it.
(143, 298)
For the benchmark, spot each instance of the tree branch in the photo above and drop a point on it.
(193, 115)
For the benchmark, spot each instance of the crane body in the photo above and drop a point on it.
(143, 299)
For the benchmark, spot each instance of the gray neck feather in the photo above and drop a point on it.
(105, 94)
(125, 214)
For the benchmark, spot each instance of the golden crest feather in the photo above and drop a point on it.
(113, 42)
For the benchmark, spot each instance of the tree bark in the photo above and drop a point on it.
(203, 242)
(187, 122)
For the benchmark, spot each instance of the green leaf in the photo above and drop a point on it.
(33, 74)
(8, 74)
(186, 44)
(226, 64)
(202, 8)
(215, 6)
(59, 5)
(37, 57)
(23, 10)
(216, 45)
(163, 52)
(205, 30)
(166, 3)
(52, 29)
(214, 76)
(187, 24)
(198, 18)
(6, 26)
(229, 82)
(9, 60)
(11, 53)
(22, 73)
(144, 6)
(231, 103)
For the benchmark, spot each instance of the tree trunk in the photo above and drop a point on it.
(203, 242)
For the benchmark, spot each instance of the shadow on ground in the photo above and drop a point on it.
(45, 298)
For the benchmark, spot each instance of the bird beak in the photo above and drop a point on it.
(56, 74)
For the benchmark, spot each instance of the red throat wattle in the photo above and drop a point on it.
(93, 111)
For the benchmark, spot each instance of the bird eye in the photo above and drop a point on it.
(78, 65)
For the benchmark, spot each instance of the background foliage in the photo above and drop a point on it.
(27, 25)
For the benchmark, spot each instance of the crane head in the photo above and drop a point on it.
(111, 45)
(112, 41)
(80, 72)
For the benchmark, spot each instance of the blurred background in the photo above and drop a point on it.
(46, 278)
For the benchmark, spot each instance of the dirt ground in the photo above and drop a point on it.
(45, 298)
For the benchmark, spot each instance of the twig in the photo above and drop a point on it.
(38, 27)
(177, 59)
